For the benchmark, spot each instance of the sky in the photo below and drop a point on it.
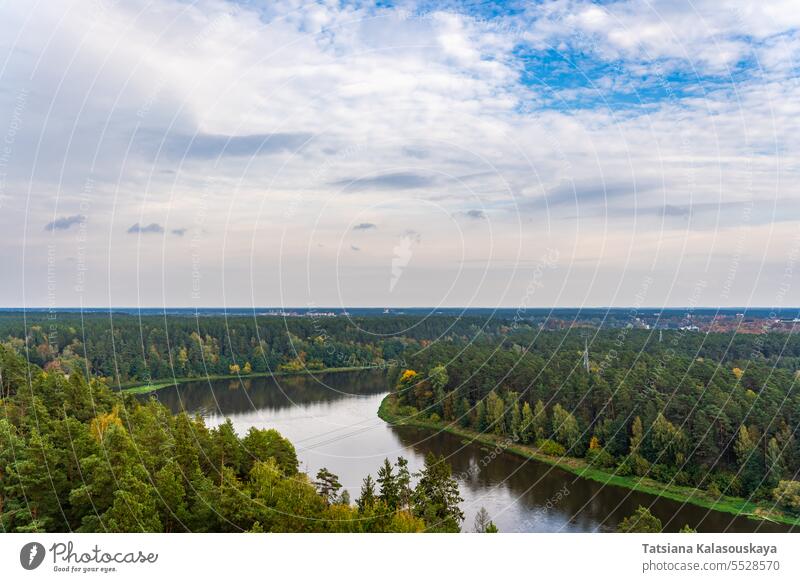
(287, 153)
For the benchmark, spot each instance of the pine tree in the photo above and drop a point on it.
(389, 489)
(134, 508)
(404, 491)
(226, 448)
(171, 497)
(367, 498)
(37, 480)
(261, 444)
(327, 485)
(436, 497)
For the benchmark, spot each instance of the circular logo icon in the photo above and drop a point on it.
(31, 555)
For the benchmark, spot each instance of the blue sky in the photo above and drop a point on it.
(213, 153)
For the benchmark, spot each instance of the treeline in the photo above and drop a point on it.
(126, 349)
(676, 419)
(76, 456)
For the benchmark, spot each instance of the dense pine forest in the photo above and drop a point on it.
(727, 426)
(718, 412)
(77, 456)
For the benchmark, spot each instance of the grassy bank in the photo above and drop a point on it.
(141, 388)
(734, 505)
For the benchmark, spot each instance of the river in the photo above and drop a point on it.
(332, 421)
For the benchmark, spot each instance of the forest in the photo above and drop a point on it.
(715, 411)
(77, 456)
(726, 427)
(125, 349)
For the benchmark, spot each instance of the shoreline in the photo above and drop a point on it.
(579, 467)
(142, 388)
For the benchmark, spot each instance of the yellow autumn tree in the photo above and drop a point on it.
(407, 379)
(102, 422)
(407, 376)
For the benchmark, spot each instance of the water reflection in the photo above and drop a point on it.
(529, 496)
(232, 397)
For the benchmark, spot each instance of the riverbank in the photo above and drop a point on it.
(142, 388)
(732, 505)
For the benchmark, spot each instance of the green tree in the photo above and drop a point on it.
(669, 441)
(134, 508)
(260, 445)
(637, 435)
(787, 495)
(565, 429)
(495, 413)
(226, 449)
(540, 424)
(745, 449)
(744, 445)
(404, 490)
(367, 498)
(642, 521)
(36, 479)
(462, 412)
(327, 485)
(526, 431)
(480, 419)
(775, 466)
(436, 497)
(389, 488)
(171, 497)
(516, 420)
(438, 379)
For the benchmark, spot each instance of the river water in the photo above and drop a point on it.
(332, 421)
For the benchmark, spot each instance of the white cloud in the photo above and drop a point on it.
(246, 128)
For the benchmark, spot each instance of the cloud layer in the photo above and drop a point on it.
(636, 139)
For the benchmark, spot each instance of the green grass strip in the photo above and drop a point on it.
(141, 388)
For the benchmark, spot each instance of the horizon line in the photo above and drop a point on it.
(428, 307)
